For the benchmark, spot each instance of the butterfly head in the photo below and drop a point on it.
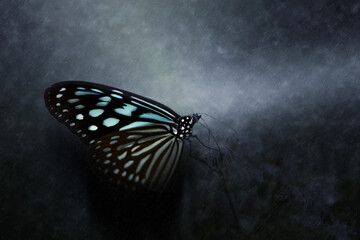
(186, 124)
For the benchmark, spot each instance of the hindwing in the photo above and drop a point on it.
(143, 157)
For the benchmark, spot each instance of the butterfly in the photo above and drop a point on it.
(134, 142)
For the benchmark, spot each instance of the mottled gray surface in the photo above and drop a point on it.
(285, 75)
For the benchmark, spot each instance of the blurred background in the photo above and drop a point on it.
(285, 75)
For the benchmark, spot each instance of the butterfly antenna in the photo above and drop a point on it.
(214, 139)
(222, 122)
(206, 126)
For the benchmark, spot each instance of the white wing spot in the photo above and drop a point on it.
(73, 100)
(58, 104)
(93, 128)
(137, 179)
(107, 149)
(122, 156)
(128, 164)
(143, 181)
(96, 112)
(116, 96)
(126, 110)
(72, 124)
(59, 95)
(123, 173)
(116, 171)
(109, 122)
(65, 110)
(79, 106)
(106, 162)
(131, 177)
(84, 135)
(117, 91)
(81, 93)
(101, 104)
(134, 148)
(79, 116)
(127, 145)
(113, 142)
(92, 141)
(62, 89)
(108, 155)
(142, 162)
(79, 131)
(96, 90)
(114, 137)
(105, 99)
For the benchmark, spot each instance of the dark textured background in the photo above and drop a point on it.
(285, 75)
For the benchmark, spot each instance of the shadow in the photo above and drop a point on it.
(135, 215)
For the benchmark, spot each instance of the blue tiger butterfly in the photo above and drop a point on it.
(134, 142)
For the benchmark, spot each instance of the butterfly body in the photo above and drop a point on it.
(134, 142)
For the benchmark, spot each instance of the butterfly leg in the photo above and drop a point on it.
(214, 167)
(218, 149)
(211, 166)
(214, 164)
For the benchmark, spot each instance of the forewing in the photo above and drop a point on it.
(92, 110)
(143, 157)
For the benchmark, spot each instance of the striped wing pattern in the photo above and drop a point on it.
(142, 157)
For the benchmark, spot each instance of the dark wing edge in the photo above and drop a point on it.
(110, 89)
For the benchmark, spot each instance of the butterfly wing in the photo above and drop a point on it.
(131, 138)
(93, 110)
(142, 157)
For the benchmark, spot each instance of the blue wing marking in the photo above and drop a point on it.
(151, 109)
(155, 117)
(126, 110)
(161, 109)
(135, 124)
(102, 104)
(80, 93)
(116, 96)
(105, 99)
